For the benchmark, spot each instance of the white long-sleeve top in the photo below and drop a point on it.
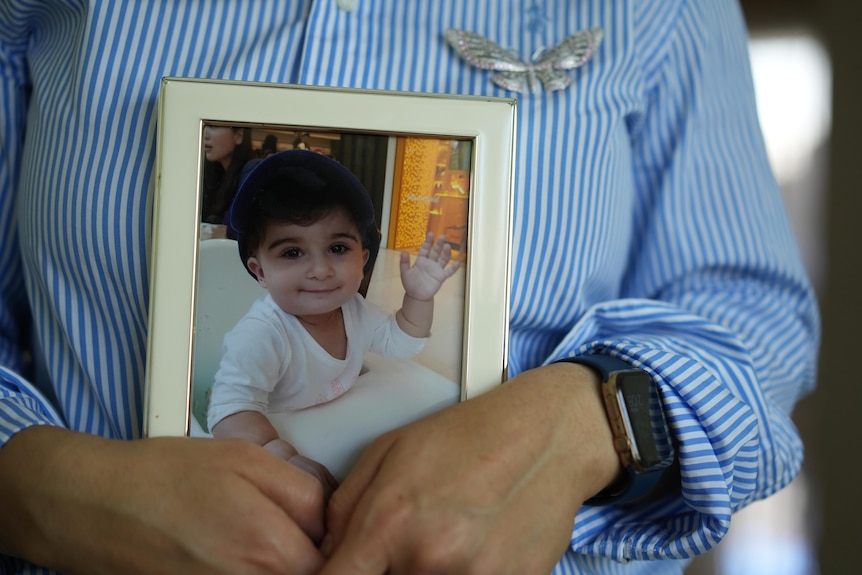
(271, 364)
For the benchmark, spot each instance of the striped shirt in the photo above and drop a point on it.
(647, 222)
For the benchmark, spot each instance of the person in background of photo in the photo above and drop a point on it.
(269, 146)
(648, 232)
(300, 142)
(226, 151)
(306, 229)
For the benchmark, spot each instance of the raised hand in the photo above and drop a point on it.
(423, 279)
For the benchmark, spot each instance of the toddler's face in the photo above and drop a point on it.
(311, 270)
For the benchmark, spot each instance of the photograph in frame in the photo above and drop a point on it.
(431, 164)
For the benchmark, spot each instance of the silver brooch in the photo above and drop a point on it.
(546, 68)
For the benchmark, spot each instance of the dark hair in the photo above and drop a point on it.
(300, 187)
(220, 184)
(301, 207)
(270, 145)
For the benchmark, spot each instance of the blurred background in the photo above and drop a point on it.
(807, 63)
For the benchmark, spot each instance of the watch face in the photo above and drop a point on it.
(644, 418)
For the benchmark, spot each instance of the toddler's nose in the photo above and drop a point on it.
(320, 268)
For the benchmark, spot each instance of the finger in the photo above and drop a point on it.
(298, 551)
(299, 494)
(450, 271)
(405, 262)
(426, 246)
(445, 255)
(437, 247)
(330, 484)
(343, 502)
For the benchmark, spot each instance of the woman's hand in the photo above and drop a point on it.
(491, 485)
(84, 504)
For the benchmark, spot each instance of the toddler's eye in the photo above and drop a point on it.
(291, 253)
(339, 249)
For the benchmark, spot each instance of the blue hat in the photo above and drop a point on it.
(304, 174)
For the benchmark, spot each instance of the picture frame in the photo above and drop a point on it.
(199, 286)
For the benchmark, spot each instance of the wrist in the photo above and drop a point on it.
(411, 299)
(251, 426)
(591, 435)
(641, 436)
(415, 316)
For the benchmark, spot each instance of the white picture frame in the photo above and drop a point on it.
(182, 272)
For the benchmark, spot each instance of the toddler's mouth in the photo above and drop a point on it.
(320, 290)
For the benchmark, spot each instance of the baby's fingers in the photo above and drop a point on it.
(441, 251)
(450, 271)
(427, 245)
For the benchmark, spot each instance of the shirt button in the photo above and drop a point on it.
(346, 5)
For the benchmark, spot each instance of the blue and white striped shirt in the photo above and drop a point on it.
(647, 222)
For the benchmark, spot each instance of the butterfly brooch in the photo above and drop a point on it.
(547, 68)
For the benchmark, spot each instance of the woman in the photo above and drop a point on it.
(226, 150)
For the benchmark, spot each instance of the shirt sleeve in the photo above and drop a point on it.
(716, 305)
(21, 404)
(384, 334)
(252, 365)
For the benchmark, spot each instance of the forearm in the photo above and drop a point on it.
(565, 399)
(255, 427)
(248, 425)
(415, 316)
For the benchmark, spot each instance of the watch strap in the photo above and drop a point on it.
(604, 364)
(632, 484)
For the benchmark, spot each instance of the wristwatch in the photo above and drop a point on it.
(641, 435)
